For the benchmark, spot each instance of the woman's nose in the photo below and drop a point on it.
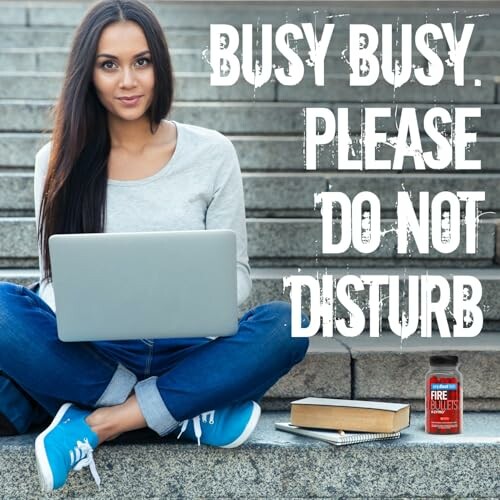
(128, 77)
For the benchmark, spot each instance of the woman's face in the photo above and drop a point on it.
(123, 68)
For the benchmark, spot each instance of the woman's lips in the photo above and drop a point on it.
(129, 102)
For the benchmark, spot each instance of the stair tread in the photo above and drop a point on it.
(275, 464)
(487, 273)
(479, 429)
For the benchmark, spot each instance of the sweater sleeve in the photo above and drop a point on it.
(226, 210)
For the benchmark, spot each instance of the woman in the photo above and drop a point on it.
(115, 163)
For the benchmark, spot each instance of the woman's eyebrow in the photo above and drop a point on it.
(114, 57)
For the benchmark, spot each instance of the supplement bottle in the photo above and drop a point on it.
(443, 396)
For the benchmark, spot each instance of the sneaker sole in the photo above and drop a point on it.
(42, 461)
(252, 423)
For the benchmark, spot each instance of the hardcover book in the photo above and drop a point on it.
(350, 415)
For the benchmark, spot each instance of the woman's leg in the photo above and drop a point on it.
(227, 370)
(18, 410)
(205, 374)
(50, 371)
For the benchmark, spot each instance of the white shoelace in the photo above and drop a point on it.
(197, 425)
(83, 449)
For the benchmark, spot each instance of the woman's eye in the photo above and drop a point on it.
(104, 65)
(144, 59)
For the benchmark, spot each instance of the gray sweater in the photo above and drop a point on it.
(199, 188)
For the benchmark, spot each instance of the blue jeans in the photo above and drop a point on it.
(173, 379)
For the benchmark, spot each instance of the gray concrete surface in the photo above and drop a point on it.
(263, 152)
(277, 464)
(278, 239)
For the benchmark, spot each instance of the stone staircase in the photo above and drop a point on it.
(266, 126)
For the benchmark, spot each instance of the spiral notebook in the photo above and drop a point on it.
(335, 437)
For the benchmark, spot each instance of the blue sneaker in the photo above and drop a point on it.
(66, 444)
(226, 428)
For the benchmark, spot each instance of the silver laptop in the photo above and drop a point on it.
(118, 286)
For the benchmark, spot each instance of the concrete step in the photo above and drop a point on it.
(268, 286)
(324, 372)
(283, 194)
(180, 15)
(389, 368)
(196, 87)
(275, 464)
(20, 36)
(287, 194)
(263, 152)
(275, 118)
(196, 60)
(338, 88)
(287, 153)
(265, 194)
(275, 242)
(14, 37)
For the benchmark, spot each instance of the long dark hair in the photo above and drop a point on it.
(74, 195)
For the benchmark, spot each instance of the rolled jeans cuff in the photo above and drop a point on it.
(153, 408)
(121, 385)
